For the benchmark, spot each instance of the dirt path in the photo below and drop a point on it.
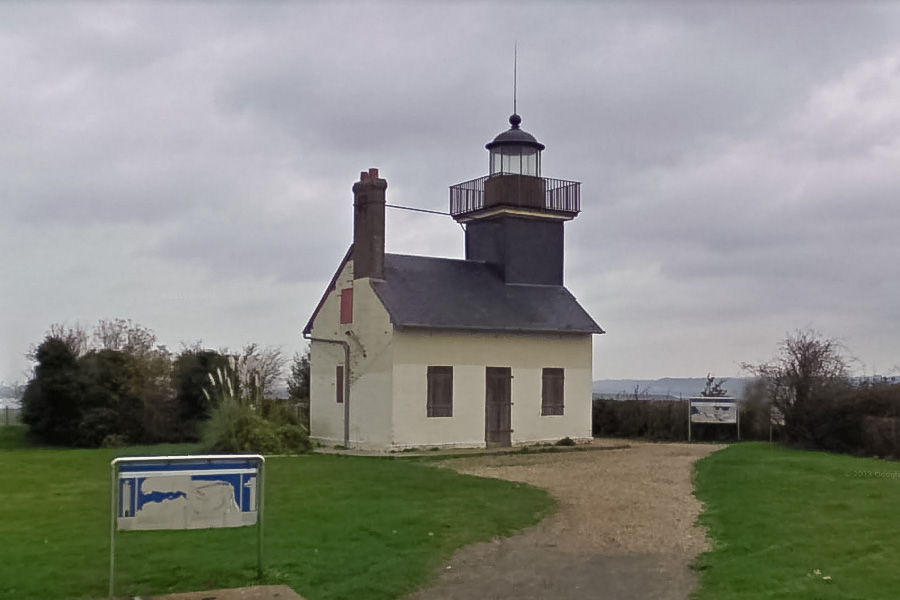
(624, 529)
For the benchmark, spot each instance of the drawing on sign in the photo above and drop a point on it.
(187, 496)
(713, 412)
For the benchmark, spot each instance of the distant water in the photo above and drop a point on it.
(9, 402)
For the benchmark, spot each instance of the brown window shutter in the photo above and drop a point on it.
(339, 383)
(347, 305)
(440, 392)
(553, 391)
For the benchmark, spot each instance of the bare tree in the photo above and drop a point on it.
(807, 367)
(266, 364)
(714, 387)
(124, 336)
(637, 393)
(76, 337)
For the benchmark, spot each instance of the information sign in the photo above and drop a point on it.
(185, 492)
(710, 409)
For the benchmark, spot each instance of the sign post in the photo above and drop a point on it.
(186, 492)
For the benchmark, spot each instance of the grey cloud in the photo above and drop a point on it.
(726, 195)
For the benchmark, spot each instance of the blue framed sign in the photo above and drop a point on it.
(185, 492)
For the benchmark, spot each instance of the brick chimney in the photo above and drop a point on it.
(368, 225)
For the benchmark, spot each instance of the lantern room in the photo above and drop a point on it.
(515, 152)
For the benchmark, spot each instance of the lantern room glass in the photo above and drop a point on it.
(516, 160)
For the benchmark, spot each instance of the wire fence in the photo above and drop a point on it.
(10, 416)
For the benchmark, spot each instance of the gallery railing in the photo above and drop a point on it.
(559, 196)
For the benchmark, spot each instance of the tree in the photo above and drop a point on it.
(129, 387)
(75, 337)
(298, 385)
(191, 371)
(298, 380)
(266, 365)
(714, 387)
(127, 398)
(159, 406)
(124, 336)
(51, 404)
(808, 370)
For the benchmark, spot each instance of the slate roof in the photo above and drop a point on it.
(442, 293)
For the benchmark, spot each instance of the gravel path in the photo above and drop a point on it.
(625, 529)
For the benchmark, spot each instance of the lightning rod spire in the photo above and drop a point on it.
(515, 74)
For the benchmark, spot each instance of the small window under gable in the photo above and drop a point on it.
(347, 305)
(440, 391)
(553, 391)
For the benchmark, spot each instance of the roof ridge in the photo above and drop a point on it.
(541, 285)
(447, 258)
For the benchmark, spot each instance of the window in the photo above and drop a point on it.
(347, 305)
(339, 383)
(552, 391)
(440, 391)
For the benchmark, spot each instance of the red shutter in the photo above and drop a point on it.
(347, 305)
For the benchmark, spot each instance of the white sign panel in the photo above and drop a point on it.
(187, 493)
(706, 410)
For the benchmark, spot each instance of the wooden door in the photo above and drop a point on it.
(498, 406)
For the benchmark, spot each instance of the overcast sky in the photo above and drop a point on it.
(189, 166)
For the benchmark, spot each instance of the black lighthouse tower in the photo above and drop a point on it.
(514, 217)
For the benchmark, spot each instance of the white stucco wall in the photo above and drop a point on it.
(370, 368)
(469, 354)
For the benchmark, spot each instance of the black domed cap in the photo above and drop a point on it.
(515, 136)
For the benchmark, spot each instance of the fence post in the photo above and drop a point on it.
(689, 419)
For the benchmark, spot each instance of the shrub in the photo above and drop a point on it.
(666, 420)
(243, 422)
(114, 440)
(96, 425)
(649, 419)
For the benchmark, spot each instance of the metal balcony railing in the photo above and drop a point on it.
(559, 196)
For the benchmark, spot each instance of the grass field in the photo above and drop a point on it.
(12, 437)
(798, 525)
(336, 527)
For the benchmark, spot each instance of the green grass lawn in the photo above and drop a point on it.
(12, 437)
(783, 522)
(336, 527)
